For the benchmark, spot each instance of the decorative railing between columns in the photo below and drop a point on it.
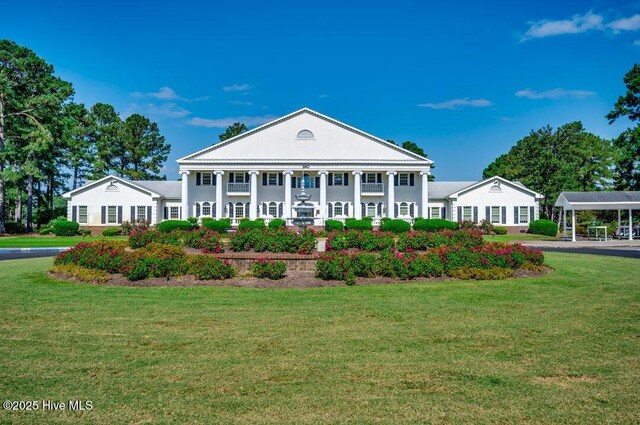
(238, 187)
(372, 188)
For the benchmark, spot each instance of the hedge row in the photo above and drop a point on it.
(443, 261)
(273, 240)
(409, 241)
(201, 238)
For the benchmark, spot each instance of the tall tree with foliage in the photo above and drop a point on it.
(232, 131)
(79, 147)
(551, 161)
(628, 143)
(413, 147)
(31, 97)
(144, 148)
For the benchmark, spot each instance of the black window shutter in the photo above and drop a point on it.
(280, 178)
(330, 210)
(232, 211)
(280, 209)
(395, 180)
(443, 213)
(246, 177)
(504, 215)
(459, 214)
(149, 214)
(264, 208)
(379, 178)
(428, 213)
(532, 214)
(119, 214)
(412, 179)
(379, 209)
(330, 179)
(264, 179)
(475, 214)
(395, 210)
(213, 210)
(132, 217)
(166, 213)
(346, 209)
(247, 211)
(103, 215)
(180, 213)
(214, 179)
(74, 213)
(231, 177)
(488, 214)
(293, 182)
(198, 209)
(363, 210)
(411, 209)
(346, 179)
(318, 181)
(198, 178)
(516, 219)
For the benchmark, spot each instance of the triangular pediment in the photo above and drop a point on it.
(305, 135)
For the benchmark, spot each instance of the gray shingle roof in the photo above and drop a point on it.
(593, 197)
(168, 189)
(440, 190)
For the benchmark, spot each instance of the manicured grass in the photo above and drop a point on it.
(48, 241)
(562, 348)
(517, 238)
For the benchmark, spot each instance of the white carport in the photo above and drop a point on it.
(581, 201)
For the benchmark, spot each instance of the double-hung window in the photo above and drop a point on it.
(112, 214)
(206, 179)
(404, 209)
(495, 215)
(371, 209)
(403, 179)
(206, 209)
(82, 214)
(467, 213)
(141, 213)
(337, 179)
(524, 215)
(435, 212)
(239, 210)
(272, 179)
(370, 178)
(273, 209)
(239, 178)
(337, 209)
(174, 213)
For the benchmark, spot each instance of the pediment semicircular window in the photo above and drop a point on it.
(305, 135)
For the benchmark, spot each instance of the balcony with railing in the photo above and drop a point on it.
(372, 189)
(238, 188)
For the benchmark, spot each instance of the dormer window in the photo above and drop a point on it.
(305, 135)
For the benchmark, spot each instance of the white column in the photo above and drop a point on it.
(323, 194)
(573, 225)
(357, 186)
(219, 187)
(253, 197)
(424, 200)
(185, 194)
(391, 196)
(564, 223)
(287, 194)
(630, 225)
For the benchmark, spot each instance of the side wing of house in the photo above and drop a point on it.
(110, 201)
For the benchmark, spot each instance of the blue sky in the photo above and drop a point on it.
(464, 80)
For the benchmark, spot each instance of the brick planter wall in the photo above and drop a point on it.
(295, 262)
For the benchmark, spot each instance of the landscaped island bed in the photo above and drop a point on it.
(558, 348)
(352, 254)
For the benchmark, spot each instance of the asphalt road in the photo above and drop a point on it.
(23, 255)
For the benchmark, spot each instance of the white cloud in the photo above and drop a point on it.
(457, 104)
(249, 121)
(241, 103)
(237, 87)
(577, 24)
(165, 93)
(167, 110)
(631, 23)
(553, 94)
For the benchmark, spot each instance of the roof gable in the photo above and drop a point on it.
(117, 179)
(500, 180)
(305, 135)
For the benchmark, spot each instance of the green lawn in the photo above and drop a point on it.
(563, 348)
(48, 241)
(518, 238)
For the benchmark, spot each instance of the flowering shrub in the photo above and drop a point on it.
(363, 240)
(207, 267)
(129, 227)
(81, 273)
(101, 255)
(171, 225)
(339, 265)
(204, 239)
(165, 260)
(269, 269)
(421, 241)
(273, 240)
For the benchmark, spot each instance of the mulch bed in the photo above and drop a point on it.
(293, 279)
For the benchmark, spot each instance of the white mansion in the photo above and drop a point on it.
(257, 174)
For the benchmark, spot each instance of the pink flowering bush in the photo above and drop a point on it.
(101, 255)
(273, 240)
(422, 240)
(269, 269)
(363, 240)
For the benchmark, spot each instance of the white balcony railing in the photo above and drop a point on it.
(238, 187)
(372, 188)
